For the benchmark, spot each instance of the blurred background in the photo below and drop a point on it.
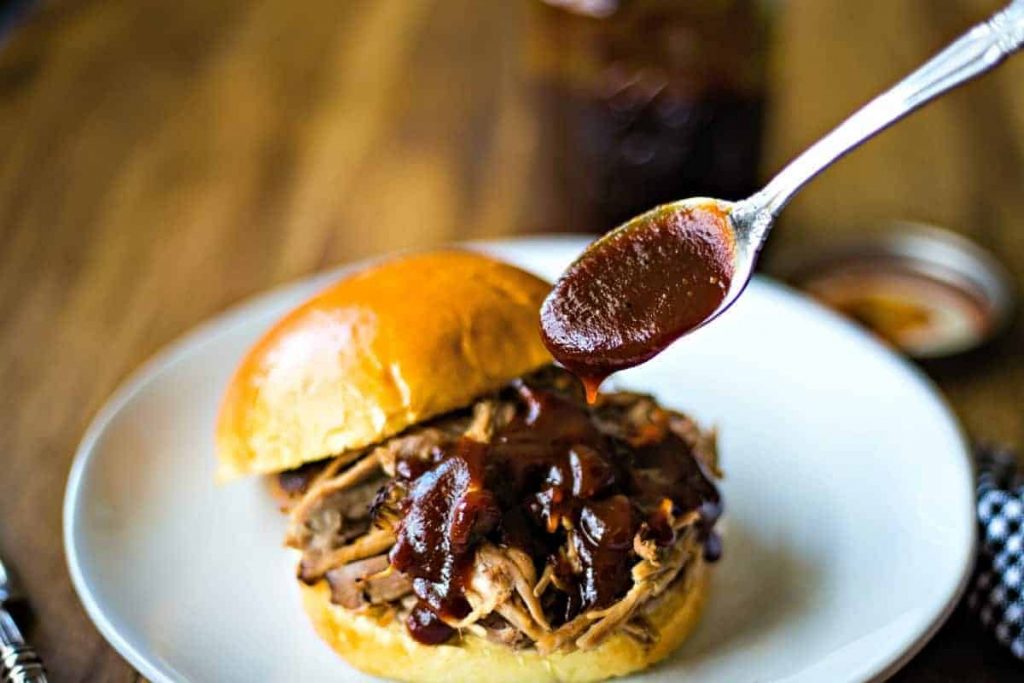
(160, 161)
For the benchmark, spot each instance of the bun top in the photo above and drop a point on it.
(395, 344)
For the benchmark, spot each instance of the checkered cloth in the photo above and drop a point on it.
(997, 595)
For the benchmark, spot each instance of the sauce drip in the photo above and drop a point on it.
(549, 471)
(426, 627)
(637, 290)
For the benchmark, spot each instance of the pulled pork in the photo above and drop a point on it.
(530, 518)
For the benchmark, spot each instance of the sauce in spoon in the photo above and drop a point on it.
(638, 289)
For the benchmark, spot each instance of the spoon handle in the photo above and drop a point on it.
(972, 54)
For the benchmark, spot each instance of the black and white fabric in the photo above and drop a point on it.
(997, 595)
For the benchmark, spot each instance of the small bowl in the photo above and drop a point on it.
(928, 292)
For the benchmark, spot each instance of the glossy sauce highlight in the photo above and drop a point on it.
(637, 290)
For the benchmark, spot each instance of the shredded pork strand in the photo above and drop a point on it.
(358, 472)
(487, 588)
(482, 427)
(641, 630)
(335, 465)
(589, 629)
(518, 567)
(314, 566)
(417, 444)
(367, 582)
(546, 579)
(503, 589)
(520, 618)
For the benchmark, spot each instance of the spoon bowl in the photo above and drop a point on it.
(674, 265)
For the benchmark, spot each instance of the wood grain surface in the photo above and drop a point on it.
(160, 161)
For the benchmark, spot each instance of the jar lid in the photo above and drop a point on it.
(598, 9)
(926, 291)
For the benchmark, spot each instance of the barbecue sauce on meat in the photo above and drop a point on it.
(446, 512)
(548, 479)
(637, 290)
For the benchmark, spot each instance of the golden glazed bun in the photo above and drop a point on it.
(387, 650)
(383, 349)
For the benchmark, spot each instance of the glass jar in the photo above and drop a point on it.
(646, 101)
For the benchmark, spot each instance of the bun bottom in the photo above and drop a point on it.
(387, 650)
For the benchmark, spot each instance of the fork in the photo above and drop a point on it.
(19, 663)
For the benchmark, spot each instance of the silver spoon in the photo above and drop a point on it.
(608, 311)
(19, 663)
(976, 52)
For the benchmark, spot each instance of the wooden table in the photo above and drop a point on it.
(160, 161)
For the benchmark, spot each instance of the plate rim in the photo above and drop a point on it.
(224, 322)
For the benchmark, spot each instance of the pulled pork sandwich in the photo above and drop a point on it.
(461, 512)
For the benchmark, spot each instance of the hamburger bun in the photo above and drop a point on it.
(386, 649)
(382, 349)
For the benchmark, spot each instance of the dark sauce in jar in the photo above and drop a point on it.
(547, 479)
(637, 104)
(637, 290)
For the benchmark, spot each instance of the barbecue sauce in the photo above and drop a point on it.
(446, 512)
(637, 290)
(548, 479)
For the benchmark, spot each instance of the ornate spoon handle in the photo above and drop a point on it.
(19, 663)
(974, 53)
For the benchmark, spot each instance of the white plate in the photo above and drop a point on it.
(848, 539)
